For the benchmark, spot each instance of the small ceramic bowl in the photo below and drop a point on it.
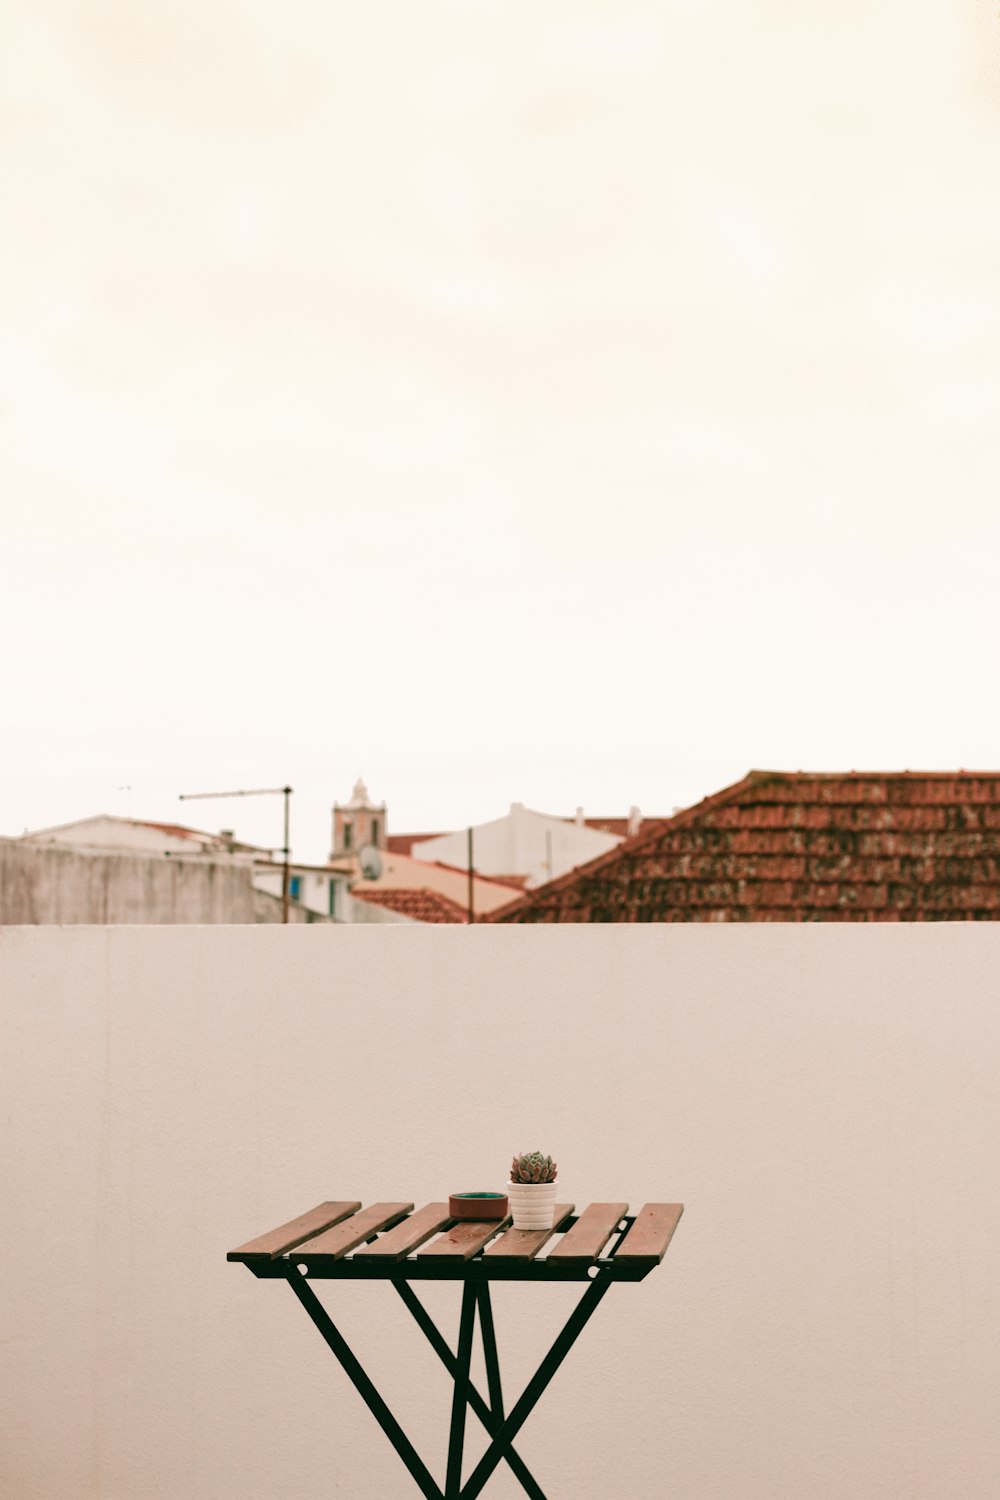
(478, 1206)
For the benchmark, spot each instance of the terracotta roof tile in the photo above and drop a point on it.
(799, 847)
(402, 843)
(177, 829)
(420, 905)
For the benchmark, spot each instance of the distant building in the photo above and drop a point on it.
(424, 876)
(323, 891)
(622, 828)
(138, 870)
(358, 824)
(107, 869)
(389, 885)
(105, 831)
(532, 845)
(411, 880)
(49, 883)
(905, 846)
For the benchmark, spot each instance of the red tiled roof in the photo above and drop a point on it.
(176, 829)
(421, 905)
(858, 846)
(402, 843)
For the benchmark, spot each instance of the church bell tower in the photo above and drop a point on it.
(358, 824)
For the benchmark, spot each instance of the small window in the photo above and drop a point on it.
(348, 835)
(295, 887)
(375, 832)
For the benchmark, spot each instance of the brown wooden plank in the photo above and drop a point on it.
(524, 1244)
(287, 1236)
(582, 1244)
(647, 1240)
(334, 1243)
(463, 1240)
(398, 1242)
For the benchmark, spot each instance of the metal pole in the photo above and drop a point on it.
(472, 910)
(286, 879)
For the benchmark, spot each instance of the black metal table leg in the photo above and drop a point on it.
(490, 1420)
(490, 1349)
(366, 1390)
(510, 1427)
(503, 1430)
(460, 1396)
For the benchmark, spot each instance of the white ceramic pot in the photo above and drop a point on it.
(532, 1204)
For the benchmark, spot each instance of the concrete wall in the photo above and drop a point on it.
(42, 884)
(823, 1099)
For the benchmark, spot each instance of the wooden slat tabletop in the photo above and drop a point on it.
(384, 1237)
(524, 1244)
(582, 1244)
(647, 1240)
(287, 1236)
(463, 1241)
(397, 1243)
(334, 1243)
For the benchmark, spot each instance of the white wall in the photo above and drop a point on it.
(522, 842)
(823, 1099)
(313, 889)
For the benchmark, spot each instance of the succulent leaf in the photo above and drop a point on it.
(533, 1167)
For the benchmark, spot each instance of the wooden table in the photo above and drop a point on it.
(389, 1242)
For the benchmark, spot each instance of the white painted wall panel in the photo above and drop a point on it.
(823, 1099)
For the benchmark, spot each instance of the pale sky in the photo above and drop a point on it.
(570, 403)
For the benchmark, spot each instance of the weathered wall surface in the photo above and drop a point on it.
(55, 885)
(823, 1099)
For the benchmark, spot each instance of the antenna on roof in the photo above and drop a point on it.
(370, 861)
(259, 791)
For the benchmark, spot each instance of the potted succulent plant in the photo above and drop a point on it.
(532, 1191)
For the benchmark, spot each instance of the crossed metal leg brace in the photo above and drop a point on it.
(502, 1429)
